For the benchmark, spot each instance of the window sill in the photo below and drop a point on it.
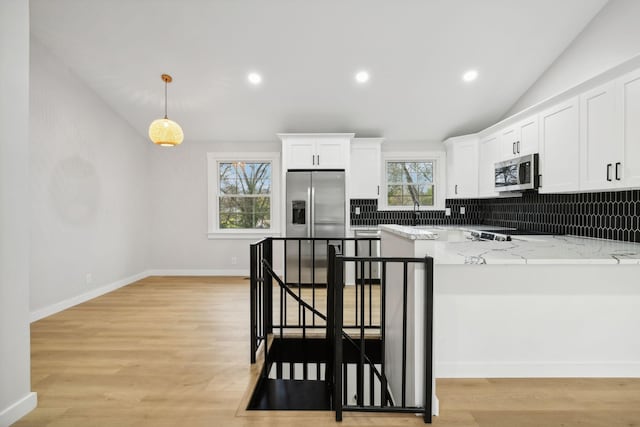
(248, 235)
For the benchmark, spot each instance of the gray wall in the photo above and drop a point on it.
(89, 192)
(15, 382)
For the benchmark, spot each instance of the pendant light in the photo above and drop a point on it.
(165, 132)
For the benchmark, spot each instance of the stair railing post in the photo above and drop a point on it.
(253, 286)
(338, 281)
(268, 288)
(428, 339)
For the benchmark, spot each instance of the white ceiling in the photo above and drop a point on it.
(308, 52)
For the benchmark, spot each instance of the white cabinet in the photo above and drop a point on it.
(366, 164)
(462, 167)
(489, 152)
(560, 148)
(316, 151)
(627, 167)
(600, 139)
(520, 139)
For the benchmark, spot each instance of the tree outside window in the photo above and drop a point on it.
(410, 182)
(244, 195)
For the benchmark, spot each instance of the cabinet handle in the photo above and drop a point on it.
(313, 159)
(318, 157)
(456, 189)
(618, 171)
(518, 146)
(378, 190)
(608, 171)
(540, 181)
(513, 148)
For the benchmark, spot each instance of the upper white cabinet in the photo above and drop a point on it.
(489, 153)
(316, 151)
(560, 148)
(462, 167)
(600, 139)
(366, 164)
(520, 139)
(627, 166)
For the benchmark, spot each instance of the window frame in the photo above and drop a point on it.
(439, 183)
(213, 188)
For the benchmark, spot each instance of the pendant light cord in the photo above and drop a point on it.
(165, 99)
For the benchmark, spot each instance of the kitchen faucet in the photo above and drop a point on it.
(416, 213)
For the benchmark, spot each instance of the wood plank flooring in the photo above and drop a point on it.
(173, 351)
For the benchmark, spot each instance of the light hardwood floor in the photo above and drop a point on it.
(173, 351)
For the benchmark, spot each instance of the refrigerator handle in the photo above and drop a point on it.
(312, 224)
(308, 212)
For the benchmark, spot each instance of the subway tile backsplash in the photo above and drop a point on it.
(607, 215)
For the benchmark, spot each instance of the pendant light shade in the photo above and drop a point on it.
(165, 132)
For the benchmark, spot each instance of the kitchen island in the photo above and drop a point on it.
(536, 306)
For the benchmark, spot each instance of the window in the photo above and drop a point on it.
(241, 193)
(409, 182)
(410, 177)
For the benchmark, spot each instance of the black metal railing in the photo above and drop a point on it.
(353, 358)
(421, 270)
(273, 310)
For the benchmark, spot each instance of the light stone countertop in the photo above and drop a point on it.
(527, 249)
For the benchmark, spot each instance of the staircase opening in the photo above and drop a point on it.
(325, 345)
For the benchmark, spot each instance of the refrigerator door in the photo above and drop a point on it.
(327, 216)
(299, 206)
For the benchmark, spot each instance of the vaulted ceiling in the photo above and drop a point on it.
(308, 52)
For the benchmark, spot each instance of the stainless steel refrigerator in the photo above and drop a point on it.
(315, 208)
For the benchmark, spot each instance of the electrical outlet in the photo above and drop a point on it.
(234, 260)
(462, 210)
(447, 211)
(88, 278)
(357, 210)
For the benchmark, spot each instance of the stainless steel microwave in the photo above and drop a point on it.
(517, 174)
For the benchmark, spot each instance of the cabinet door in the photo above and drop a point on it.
(489, 153)
(600, 146)
(528, 139)
(628, 91)
(331, 154)
(466, 169)
(509, 142)
(560, 148)
(300, 155)
(365, 171)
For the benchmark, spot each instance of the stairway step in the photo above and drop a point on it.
(302, 395)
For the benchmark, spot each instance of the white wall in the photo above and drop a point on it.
(16, 398)
(178, 190)
(612, 37)
(89, 198)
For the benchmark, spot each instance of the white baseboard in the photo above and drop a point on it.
(538, 370)
(198, 272)
(18, 410)
(79, 299)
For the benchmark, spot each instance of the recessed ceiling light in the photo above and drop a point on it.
(362, 76)
(470, 75)
(254, 78)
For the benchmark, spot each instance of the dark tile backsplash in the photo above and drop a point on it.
(607, 215)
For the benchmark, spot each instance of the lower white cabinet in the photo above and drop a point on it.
(366, 164)
(462, 167)
(560, 148)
